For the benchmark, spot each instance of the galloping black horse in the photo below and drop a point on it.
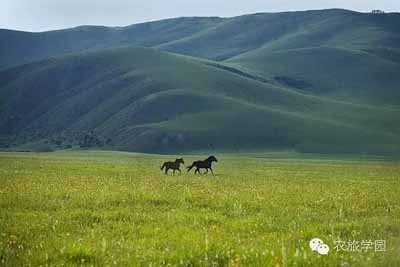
(174, 165)
(203, 164)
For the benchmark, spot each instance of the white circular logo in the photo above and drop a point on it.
(323, 249)
(318, 245)
(314, 243)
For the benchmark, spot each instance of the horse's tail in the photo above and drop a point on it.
(163, 166)
(190, 167)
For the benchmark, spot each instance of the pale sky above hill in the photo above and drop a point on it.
(41, 15)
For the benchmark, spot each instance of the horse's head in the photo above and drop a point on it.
(211, 159)
(180, 161)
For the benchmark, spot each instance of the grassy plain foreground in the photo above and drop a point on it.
(117, 209)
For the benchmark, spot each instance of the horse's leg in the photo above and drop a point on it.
(206, 171)
(174, 171)
(166, 171)
(211, 171)
(180, 173)
(197, 170)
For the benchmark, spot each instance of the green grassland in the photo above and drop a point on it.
(117, 209)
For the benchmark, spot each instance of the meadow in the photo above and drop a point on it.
(96, 208)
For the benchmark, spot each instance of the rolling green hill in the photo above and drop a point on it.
(142, 99)
(22, 47)
(335, 72)
(346, 55)
(217, 38)
(316, 81)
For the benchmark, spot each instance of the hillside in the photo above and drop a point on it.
(18, 47)
(335, 72)
(141, 99)
(217, 38)
(344, 56)
(316, 81)
(347, 54)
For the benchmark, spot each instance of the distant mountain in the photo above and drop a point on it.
(215, 38)
(315, 81)
(22, 47)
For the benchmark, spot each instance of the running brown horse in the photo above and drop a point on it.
(174, 165)
(203, 164)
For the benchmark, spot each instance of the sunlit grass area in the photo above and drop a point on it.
(118, 209)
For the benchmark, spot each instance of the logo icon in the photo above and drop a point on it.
(317, 245)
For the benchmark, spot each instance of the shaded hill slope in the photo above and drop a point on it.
(145, 100)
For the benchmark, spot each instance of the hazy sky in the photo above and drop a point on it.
(40, 15)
